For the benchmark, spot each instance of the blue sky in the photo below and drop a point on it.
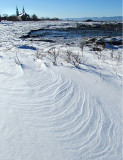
(64, 8)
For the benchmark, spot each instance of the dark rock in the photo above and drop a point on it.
(96, 49)
(89, 20)
(25, 36)
(100, 41)
(48, 40)
(91, 40)
(43, 40)
(114, 41)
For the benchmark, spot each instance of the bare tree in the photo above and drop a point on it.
(35, 17)
(82, 44)
(17, 61)
(68, 56)
(53, 54)
(76, 59)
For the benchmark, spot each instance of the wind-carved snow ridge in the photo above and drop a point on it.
(84, 125)
(50, 113)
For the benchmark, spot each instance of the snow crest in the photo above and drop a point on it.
(43, 110)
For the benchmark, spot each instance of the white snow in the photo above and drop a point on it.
(57, 112)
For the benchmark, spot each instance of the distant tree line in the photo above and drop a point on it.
(25, 17)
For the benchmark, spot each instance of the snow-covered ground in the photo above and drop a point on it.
(57, 112)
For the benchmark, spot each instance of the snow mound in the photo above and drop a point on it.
(47, 114)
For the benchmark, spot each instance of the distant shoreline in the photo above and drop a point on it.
(115, 18)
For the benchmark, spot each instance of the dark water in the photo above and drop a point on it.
(73, 33)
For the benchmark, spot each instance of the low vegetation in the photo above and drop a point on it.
(57, 55)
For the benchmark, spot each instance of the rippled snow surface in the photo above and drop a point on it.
(52, 112)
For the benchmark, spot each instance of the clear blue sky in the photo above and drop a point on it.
(64, 8)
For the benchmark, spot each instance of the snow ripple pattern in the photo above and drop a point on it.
(53, 104)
